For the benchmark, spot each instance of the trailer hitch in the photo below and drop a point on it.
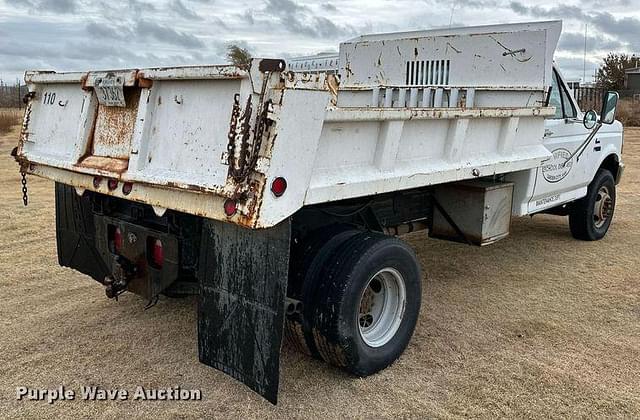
(122, 273)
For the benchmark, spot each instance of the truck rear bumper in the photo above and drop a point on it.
(199, 202)
(242, 275)
(86, 242)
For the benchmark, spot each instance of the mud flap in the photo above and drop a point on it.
(243, 282)
(76, 234)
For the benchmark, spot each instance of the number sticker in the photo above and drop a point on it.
(49, 98)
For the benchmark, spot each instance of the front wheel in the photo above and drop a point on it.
(591, 216)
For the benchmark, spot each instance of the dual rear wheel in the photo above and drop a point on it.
(361, 298)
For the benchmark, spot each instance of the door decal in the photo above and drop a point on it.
(558, 166)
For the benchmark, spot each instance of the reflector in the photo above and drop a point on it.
(230, 207)
(279, 186)
(157, 253)
(118, 240)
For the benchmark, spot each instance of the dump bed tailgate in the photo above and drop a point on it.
(165, 131)
(170, 128)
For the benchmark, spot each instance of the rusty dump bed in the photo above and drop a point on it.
(392, 112)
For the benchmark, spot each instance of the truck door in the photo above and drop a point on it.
(562, 178)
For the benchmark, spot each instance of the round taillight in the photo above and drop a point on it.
(96, 181)
(279, 186)
(230, 207)
(157, 253)
(118, 240)
(112, 184)
(127, 187)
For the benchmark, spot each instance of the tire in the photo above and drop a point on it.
(313, 256)
(367, 303)
(591, 216)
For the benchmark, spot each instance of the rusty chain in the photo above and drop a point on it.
(25, 197)
(240, 167)
(231, 146)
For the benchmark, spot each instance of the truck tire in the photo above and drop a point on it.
(313, 256)
(367, 303)
(591, 216)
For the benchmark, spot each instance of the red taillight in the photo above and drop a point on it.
(230, 207)
(126, 188)
(157, 252)
(112, 184)
(279, 186)
(118, 240)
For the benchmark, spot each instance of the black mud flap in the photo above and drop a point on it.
(76, 234)
(243, 281)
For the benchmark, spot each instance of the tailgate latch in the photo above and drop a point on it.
(110, 90)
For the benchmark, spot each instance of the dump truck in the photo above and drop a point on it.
(277, 192)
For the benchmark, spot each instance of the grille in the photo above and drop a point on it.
(428, 72)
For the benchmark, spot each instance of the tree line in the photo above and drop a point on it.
(11, 94)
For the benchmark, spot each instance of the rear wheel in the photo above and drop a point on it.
(367, 303)
(313, 256)
(591, 216)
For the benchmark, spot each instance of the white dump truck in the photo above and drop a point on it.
(276, 192)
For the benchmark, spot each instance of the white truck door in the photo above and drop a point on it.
(562, 178)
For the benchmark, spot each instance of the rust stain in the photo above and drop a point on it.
(114, 127)
(24, 132)
(143, 82)
(107, 164)
(332, 84)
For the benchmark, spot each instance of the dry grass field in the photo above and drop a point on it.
(537, 325)
(8, 119)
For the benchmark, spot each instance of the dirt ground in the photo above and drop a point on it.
(537, 325)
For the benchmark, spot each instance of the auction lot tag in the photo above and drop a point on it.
(110, 91)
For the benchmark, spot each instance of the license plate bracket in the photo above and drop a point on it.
(110, 90)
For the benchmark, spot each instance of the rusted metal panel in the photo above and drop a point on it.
(511, 55)
(128, 77)
(336, 114)
(477, 212)
(194, 73)
(53, 77)
(114, 127)
(105, 164)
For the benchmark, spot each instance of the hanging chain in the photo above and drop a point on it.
(240, 126)
(25, 197)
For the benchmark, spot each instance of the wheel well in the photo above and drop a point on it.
(611, 164)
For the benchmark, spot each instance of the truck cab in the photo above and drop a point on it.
(581, 148)
(562, 179)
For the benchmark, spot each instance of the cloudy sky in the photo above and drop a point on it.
(92, 34)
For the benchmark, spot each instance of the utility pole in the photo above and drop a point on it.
(453, 8)
(584, 59)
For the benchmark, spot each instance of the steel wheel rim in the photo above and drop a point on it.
(381, 307)
(603, 207)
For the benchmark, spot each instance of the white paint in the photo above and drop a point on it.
(384, 135)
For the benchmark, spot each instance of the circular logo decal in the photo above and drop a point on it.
(558, 167)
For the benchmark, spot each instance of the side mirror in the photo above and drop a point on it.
(609, 104)
(590, 119)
